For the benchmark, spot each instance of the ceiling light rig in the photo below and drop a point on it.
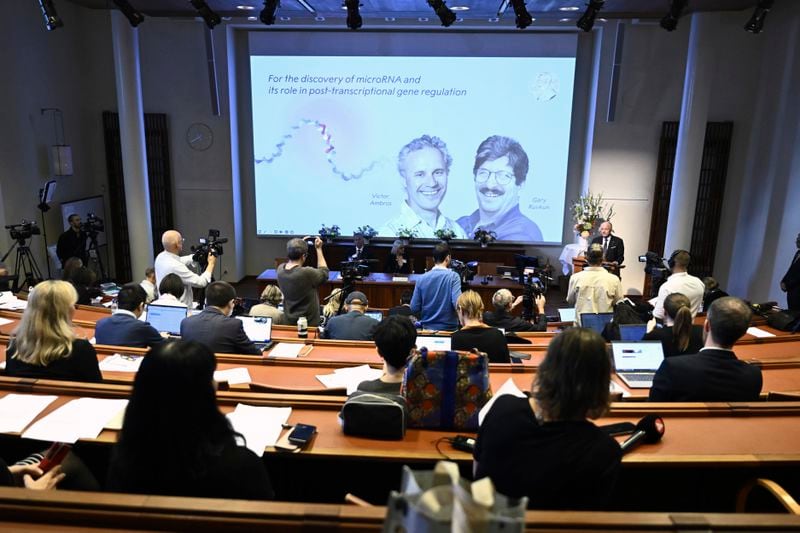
(134, 17)
(267, 15)
(586, 22)
(51, 18)
(211, 19)
(756, 22)
(354, 20)
(670, 20)
(522, 18)
(443, 12)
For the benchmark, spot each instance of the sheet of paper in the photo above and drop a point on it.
(757, 332)
(121, 363)
(286, 349)
(233, 376)
(83, 418)
(4, 321)
(509, 387)
(19, 410)
(13, 304)
(260, 426)
(349, 378)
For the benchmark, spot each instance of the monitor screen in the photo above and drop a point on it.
(596, 321)
(434, 343)
(567, 315)
(637, 356)
(166, 318)
(632, 332)
(377, 315)
(257, 328)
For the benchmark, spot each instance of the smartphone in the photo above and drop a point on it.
(301, 434)
(54, 455)
(621, 428)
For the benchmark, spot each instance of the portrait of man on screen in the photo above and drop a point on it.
(499, 173)
(424, 166)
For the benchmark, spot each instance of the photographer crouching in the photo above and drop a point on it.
(171, 262)
(504, 303)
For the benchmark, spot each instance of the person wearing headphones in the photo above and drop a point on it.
(680, 281)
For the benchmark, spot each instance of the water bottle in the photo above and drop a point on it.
(302, 327)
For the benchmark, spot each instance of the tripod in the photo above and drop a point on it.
(27, 262)
(93, 246)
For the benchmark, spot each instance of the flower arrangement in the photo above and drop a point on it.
(444, 234)
(329, 233)
(588, 212)
(406, 233)
(484, 236)
(367, 231)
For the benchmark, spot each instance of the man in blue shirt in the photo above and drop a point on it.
(436, 293)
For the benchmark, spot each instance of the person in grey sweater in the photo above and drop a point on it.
(299, 283)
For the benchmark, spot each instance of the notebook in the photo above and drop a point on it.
(632, 332)
(596, 321)
(434, 343)
(166, 318)
(567, 314)
(258, 329)
(636, 362)
(377, 315)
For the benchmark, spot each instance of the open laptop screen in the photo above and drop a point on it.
(377, 315)
(257, 328)
(596, 321)
(632, 332)
(434, 343)
(637, 355)
(567, 314)
(166, 318)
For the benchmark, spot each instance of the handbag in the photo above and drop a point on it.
(376, 416)
(785, 320)
(439, 501)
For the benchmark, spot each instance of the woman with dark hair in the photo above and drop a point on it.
(170, 291)
(85, 282)
(174, 439)
(543, 446)
(713, 291)
(679, 335)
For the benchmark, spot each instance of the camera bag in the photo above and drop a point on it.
(374, 415)
(785, 320)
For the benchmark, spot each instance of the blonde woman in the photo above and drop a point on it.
(474, 333)
(270, 299)
(44, 344)
(331, 308)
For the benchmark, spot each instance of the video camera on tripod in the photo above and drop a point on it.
(466, 271)
(353, 270)
(657, 269)
(93, 225)
(24, 230)
(210, 245)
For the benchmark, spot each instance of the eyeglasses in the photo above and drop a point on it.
(501, 176)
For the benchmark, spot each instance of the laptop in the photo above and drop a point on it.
(258, 329)
(596, 321)
(434, 343)
(166, 318)
(377, 315)
(567, 314)
(636, 362)
(632, 332)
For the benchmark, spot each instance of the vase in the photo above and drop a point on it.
(484, 244)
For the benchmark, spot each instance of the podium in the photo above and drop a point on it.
(579, 263)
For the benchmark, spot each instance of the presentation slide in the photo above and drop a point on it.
(421, 143)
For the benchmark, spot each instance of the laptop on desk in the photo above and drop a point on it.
(636, 362)
(259, 330)
(567, 314)
(377, 315)
(632, 332)
(166, 318)
(596, 321)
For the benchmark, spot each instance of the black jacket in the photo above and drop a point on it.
(222, 334)
(616, 248)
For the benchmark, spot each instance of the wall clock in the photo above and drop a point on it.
(199, 136)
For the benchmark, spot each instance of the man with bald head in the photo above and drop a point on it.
(613, 247)
(170, 262)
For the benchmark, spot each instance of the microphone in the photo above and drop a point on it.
(649, 430)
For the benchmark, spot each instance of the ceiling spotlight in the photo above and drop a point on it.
(522, 17)
(587, 19)
(670, 20)
(211, 19)
(267, 15)
(51, 18)
(354, 20)
(133, 16)
(443, 12)
(756, 22)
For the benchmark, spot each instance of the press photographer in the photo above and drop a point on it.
(72, 243)
(171, 262)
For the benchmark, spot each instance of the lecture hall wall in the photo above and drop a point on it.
(755, 76)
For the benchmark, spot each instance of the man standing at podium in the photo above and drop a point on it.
(613, 247)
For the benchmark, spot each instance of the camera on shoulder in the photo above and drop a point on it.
(210, 245)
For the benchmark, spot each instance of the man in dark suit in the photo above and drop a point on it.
(353, 325)
(214, 327)
(714, 374)
(124, 328)
(359, 251)
(404, 309)
(72, 243)
(613, 247)
(790, 284)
